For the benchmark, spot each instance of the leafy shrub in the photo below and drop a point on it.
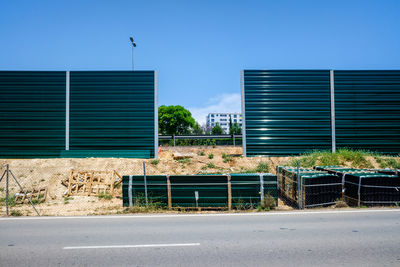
(211, 156)
(268, 202)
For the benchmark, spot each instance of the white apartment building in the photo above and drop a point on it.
(223, 120)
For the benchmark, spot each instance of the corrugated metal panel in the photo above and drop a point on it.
(32, 113)
(112, 110)
(287, 112)
(368, 109)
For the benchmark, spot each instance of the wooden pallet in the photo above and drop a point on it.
(37, 194)
(92, 183)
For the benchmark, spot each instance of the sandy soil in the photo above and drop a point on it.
(34, 173)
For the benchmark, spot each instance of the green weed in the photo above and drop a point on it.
(11, 201)
(356, 158)
(183, 161)
(16, 213)
(211, 156)
(210, 165)
(391, 163)
(105, 196)
(262, 167)
(154, 161)
(227, 158)
(118, 186)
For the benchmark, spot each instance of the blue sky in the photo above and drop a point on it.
(199, 47)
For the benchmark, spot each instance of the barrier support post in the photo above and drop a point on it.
(229, 193)
(169, 193)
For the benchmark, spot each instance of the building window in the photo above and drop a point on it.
(212, 120)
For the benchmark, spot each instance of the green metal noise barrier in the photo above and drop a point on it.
(289, 112)
(32, 114)
(286, 112)
(199, 191)
(367, 105)
(47, 114)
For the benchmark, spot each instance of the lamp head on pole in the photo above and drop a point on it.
(133, 43)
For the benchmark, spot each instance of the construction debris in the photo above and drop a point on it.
(178, 155)
(37, 195)
(91, 183)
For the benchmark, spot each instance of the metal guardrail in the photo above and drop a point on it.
(203, 136)
(220, 136)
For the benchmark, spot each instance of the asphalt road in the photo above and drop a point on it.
(359, 238)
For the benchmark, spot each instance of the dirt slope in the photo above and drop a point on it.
(33, 173)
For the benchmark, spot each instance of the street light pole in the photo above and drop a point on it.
(133, 46)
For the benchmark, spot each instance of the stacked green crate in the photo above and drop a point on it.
(318, 187)
(363, 186)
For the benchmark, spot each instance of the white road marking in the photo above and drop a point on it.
(294, 212)
(136, 246)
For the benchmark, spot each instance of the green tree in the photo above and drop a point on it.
(174, 120)
(235, 129)
(216, 129)
(197, 129)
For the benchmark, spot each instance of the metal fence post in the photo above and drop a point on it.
(169, 193)
(234, 143)
(173, 136)
(261, 187)
(196, 197)
(302, 192)
(343, 179)
(130, 191)
(7, 189)
(359, 191)
(298, 186)
(333, 116)
(67, 109)
(145, 184)
(26, 195)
